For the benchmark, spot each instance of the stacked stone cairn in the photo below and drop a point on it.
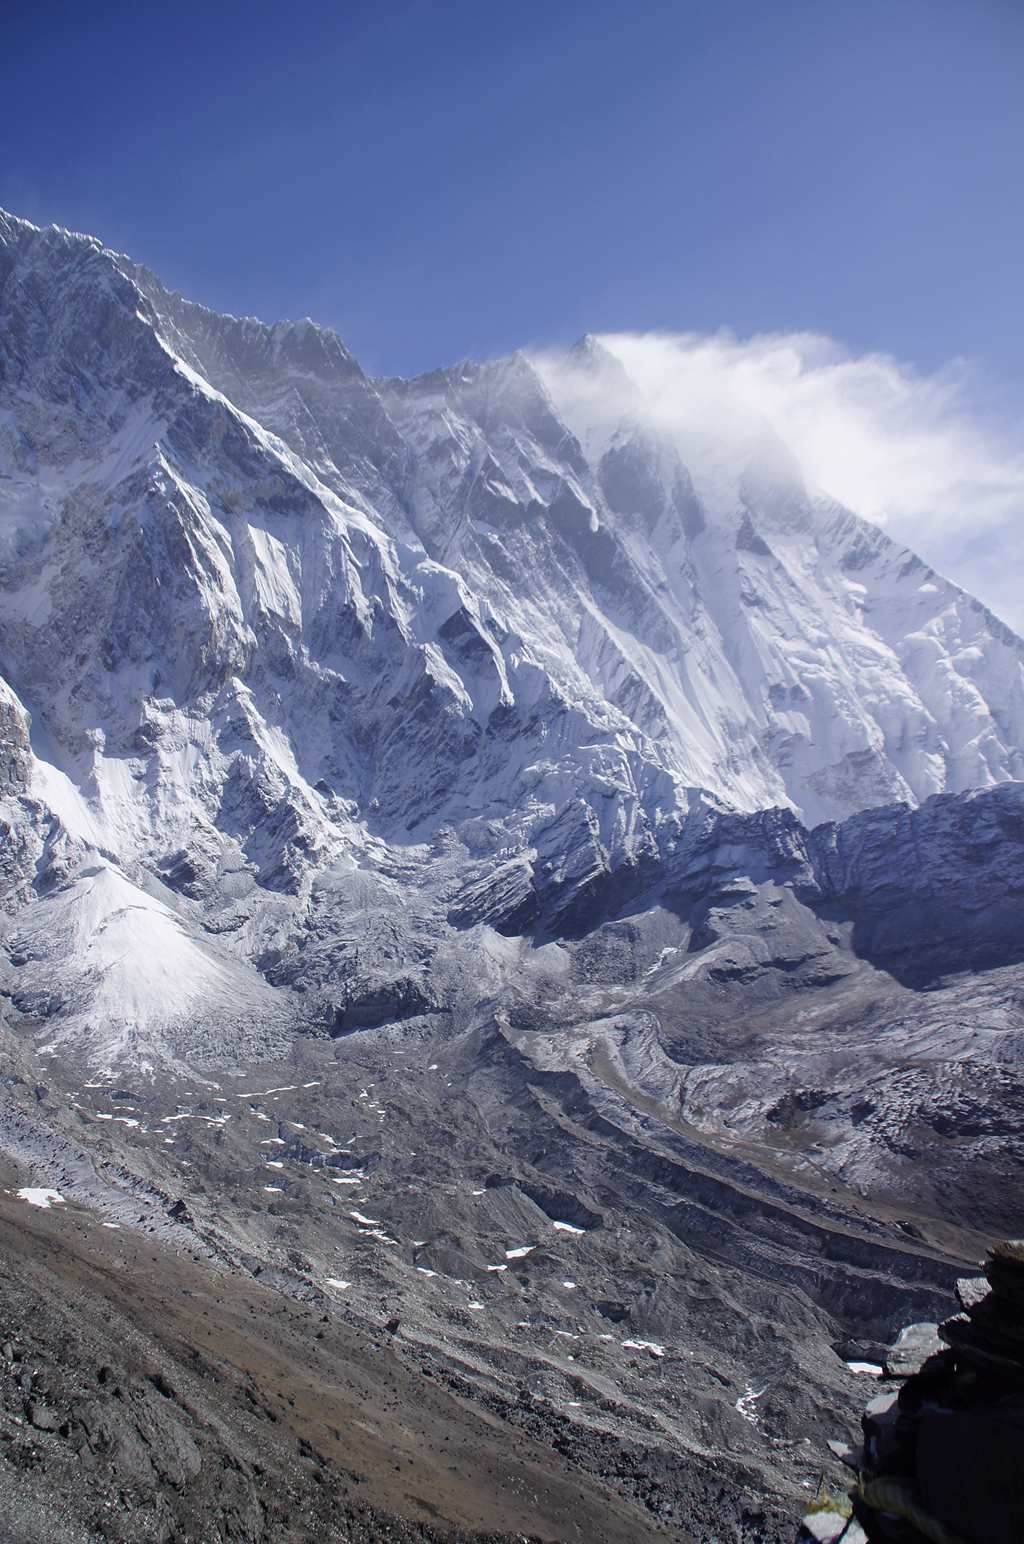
(943, 1454)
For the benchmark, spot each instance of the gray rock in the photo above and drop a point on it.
(852, 1456)
(42, 1417)
(879, 1422)
(972, 1290)
(913, 1346)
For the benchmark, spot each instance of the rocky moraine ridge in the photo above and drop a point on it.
(518, 927)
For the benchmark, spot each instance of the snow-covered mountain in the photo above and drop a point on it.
(304, 671)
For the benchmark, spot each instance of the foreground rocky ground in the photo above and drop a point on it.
(414, 1279)
(147, 1395)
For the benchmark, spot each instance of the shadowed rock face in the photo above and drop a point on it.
(923, 893)
(929, 891)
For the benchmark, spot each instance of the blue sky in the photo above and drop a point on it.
(439, 179)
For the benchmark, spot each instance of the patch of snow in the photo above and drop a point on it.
(648, 1346)
(40, 1197)
(747, 1400)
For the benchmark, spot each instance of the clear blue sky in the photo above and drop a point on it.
(439, 179)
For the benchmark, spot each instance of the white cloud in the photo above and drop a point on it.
(915, 452)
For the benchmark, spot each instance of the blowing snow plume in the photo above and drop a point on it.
(915, 452)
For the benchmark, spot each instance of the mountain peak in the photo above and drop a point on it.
(270, 617)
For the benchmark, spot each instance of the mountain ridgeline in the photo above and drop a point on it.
(273, 632)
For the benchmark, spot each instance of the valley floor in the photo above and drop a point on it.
(399, 1286)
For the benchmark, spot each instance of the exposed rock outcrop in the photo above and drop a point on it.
(942, 1451)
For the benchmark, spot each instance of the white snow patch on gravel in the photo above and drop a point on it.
(647, 1345)
(747, 1400)
(40, 1197)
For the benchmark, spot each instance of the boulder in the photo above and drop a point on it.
(971, 1290)
(42, 1417)
(969, 1470)
(914, 1345)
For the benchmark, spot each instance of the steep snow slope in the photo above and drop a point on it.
(268, 625)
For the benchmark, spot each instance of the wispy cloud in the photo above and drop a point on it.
(915, 452)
